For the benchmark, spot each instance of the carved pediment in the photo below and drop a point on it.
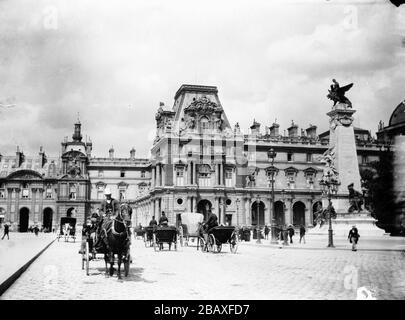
(203, 105)
(291, 170)
(122, 184)
(25, 175)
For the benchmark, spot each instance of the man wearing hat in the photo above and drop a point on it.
(109, 206)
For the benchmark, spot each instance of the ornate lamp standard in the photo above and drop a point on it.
(258, 233)
(329, 185)
(271, 154)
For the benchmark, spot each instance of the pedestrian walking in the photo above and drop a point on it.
(285, 235)
(266, 232)
(291, 232)
(302, 233)
(354, 237)
(36, 230)
(6, 231)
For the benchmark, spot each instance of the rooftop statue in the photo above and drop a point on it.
(337, 93)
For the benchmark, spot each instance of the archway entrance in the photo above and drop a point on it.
(24, 219)
(317, 206)
(298, 213)
(47, 219)
(70, 212)
(258, 213)
(279, 213)
(204, 207)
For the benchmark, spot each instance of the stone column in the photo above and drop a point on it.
(163, 175)
(195, 178)
(221, 178)
(153, 177)
(189, 173)
(288, 213)
(308, 213)
(216, 174)
(157, 175)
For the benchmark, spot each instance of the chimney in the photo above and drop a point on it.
(293, 130)
(42, 156)
(255, 127)
(274, 130)
(132, 153)
(77, 134)
(311, 131)
(19, 157)
(111, 152)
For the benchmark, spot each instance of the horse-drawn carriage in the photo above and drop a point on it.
(218, 236)
(116, 241)
(163, 235)
(67, 229)
(191, 223)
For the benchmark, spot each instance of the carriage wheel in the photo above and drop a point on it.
(145, 239)
(234, 243)
(126, 265)
(219, 248)
(211, 243)
(201, 243)
(87, 258)
(154, 242)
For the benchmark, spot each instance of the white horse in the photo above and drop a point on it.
(66, 231)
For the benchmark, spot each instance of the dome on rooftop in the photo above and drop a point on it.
(398, 116)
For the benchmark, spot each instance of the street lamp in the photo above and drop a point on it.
(237, 210)
(258, 233)
(329, 185)
(271, 155)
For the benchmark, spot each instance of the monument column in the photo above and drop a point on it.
(342, 149)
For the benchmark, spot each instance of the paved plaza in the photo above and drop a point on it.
(255, 272)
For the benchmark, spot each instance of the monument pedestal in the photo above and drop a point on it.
(341, 226)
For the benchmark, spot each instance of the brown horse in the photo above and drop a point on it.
(117, 239)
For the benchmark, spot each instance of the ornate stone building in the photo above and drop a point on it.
(199, 162)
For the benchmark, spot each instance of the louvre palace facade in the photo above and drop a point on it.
(199, 162)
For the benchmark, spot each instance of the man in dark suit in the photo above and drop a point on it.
(163, 221)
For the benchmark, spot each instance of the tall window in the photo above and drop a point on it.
(122, 195)
(48, 193)
(122, 174)
(291, 180)
(72, 192)
(100, 191)
(228, 177)
(204, 175)
(204, 124)
(2, 193)
(309, 157)
(25, 191)
(180, 176)
(289, 156)
(310, 180)
(143, 174)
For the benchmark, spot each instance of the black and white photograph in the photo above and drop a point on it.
(200, 151)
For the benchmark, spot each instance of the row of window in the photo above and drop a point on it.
(27, 193)
(122, 174)
(290, 157)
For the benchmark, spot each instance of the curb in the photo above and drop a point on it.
(7, 283)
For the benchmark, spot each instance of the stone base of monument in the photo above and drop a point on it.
(341, 226)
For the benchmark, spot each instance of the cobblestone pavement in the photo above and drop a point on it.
(17, 251)
(255, 272)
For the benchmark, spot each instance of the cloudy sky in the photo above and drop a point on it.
(114, 61)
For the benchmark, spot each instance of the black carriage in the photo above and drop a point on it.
(139, 232)
(218, 236)
(148, 236)
(163, 235)
(67, 229)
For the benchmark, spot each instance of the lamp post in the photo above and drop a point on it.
(258, 233)
(271, 155)
(329, 186)
(237, 211)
